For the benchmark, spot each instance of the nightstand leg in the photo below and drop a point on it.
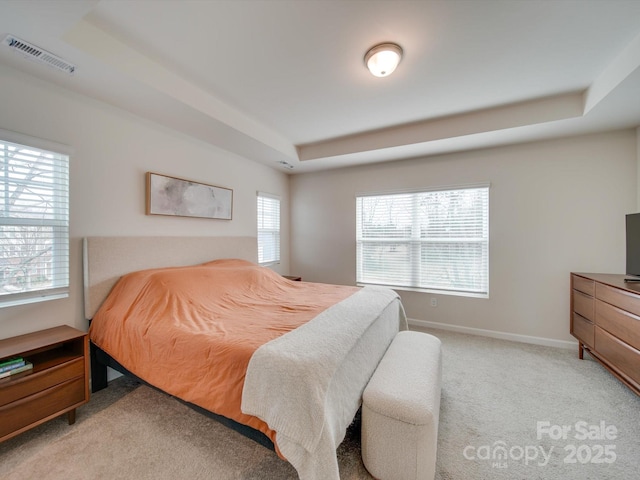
(71, 415)
(580, 350)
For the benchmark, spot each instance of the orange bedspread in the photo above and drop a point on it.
(191, 331)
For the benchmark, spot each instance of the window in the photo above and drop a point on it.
(268, 228)
(433, 240)
(34, 224)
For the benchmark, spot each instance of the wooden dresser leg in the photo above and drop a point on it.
(580, 350)
(71, 415)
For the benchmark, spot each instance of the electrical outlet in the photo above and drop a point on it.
(434, 302)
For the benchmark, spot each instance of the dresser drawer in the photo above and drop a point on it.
(38, 381)
(583, 285)
(584, 305)
(618, 298)
(583, 330)
(618, 323)
(615, 352)
(39, 407)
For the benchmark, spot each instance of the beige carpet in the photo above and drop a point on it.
(494, 393)
(148, 435)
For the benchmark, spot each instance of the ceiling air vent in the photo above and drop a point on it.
(37, 54)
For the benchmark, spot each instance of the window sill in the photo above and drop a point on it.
(427, 290)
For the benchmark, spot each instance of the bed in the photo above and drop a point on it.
(294, 381)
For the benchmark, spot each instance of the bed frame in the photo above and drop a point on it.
(106, 259)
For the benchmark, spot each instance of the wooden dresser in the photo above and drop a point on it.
(605, 318)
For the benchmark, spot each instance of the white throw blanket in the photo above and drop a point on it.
(307, 384)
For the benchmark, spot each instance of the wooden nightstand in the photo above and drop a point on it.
(58, 383)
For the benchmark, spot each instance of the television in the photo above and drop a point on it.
(633, 246)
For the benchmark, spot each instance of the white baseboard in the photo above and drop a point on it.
(547, 342)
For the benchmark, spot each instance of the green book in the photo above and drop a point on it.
(10, 361)
(13, 364)
(28, 366)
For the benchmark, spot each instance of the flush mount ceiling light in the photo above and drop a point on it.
(383, 59)
(286, 164)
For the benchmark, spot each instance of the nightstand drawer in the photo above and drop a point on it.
(42, 405)
(18, 388)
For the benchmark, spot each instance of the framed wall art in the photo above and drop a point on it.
(185, 198)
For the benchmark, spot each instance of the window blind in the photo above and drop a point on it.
(430, 240)
(34, 224)
(268, 228)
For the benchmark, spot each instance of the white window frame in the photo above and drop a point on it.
(56, 217)
(410, 270)
(269, 214)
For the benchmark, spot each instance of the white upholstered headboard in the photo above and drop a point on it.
(106, 259)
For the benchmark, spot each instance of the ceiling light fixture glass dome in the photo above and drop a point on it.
(383, 59)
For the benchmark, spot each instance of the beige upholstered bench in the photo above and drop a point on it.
(400, 410)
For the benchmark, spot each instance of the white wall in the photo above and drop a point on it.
(113, 150)
(555, 207)
(638, 165)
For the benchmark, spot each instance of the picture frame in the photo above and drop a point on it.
(167, 195)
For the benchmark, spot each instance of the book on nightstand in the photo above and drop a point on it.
(24, 368)
(11, 363)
